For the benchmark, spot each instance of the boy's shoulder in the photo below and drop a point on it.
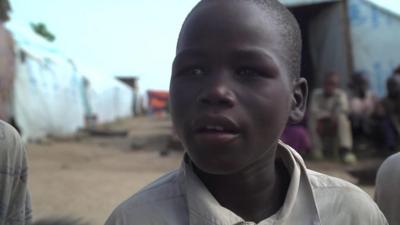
(10, 142)
(163, 198)
(391, 164)
(341, 200)
(8, 132)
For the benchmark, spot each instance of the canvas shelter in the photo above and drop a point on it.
(49, 95)
(346, 36)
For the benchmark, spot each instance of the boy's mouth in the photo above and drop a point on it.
(215, 130)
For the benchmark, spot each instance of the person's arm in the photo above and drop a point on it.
(342, 103)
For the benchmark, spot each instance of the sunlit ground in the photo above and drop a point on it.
(87, 177)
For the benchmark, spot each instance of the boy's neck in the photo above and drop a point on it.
(254, 193)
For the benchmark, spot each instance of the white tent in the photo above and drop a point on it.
(49, 92)
(109, 99)
(392, 6)
(295, 3)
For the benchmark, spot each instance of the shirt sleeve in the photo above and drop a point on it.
(15, 204)
(343, 103)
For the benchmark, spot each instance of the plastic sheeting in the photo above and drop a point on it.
(392, 6)
(49, 91)
(47, 98)
(295, 3)
(327, 39)
(108, 98)
(375, 42)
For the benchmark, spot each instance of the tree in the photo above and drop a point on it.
(41, 29)
(4, 10)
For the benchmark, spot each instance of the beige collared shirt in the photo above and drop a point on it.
(180, 198)
(15, 202)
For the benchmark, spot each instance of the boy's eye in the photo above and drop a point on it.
(248, 72)
(193, 71)
(196, 72)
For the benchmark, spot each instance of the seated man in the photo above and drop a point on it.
(329, 119)
(15, 206)
(387, 194)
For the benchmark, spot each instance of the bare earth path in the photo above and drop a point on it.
(89, 177)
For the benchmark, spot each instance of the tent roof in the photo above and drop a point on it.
(33, 44)
(392, 6)
(294, 3)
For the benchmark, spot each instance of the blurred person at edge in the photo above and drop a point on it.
(387, 194)
(15, 204)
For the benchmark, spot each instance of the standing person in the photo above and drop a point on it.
(235, 84)
(15, 205)
(387, 194)
(329, 118)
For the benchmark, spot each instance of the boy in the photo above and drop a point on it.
(15, 205)
(234, 86)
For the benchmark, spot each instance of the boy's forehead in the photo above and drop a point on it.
(218, 17)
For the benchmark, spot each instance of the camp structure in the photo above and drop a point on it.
(347, 36)
(158, 102)
(51, 95)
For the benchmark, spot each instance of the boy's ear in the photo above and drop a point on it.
(299, 100)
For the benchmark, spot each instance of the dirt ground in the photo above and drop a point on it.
(87, 177)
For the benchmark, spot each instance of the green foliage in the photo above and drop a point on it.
(41, 29)
(4, 10)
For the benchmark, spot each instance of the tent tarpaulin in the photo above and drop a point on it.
(295, 3)
(49, 90)
(46, 98)
(392, 6)
(375, 41)
(108, 98)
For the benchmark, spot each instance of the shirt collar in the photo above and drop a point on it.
(299, 204)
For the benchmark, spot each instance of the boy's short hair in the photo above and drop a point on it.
(290, 30)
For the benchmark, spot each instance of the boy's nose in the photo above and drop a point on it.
(217, 95)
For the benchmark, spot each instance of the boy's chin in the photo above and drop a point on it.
(219, 167)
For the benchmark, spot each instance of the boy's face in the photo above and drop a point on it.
(331, 84)
(230, 89)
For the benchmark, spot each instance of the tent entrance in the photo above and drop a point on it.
(325, 41)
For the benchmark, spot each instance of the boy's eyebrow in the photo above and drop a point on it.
(254, 53)
(244, 52)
